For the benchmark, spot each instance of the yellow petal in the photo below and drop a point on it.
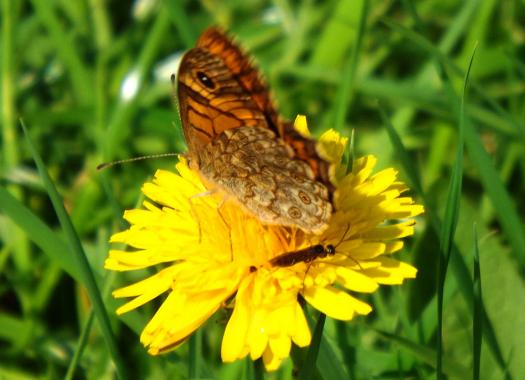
(271, 361)
(391, 272)
(394, 246)
(363, 167)
(366, 250)
(301, 125)
(233, 341)
(301, 334)
(280, 345)
(356, 281)
(145, 290)
(332, 146)
(378, 182)
(394, 231)
(178, 317)
(257, 337)
(335, 303)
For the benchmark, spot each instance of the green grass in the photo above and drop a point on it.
(391, 71)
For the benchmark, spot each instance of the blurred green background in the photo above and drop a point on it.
(90, 78)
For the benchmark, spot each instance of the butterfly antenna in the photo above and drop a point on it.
(118, 162)
(350, 257)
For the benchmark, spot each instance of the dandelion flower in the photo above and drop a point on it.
(212, 254)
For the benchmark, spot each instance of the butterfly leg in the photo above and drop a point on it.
(306, 274)
(194, 212)
(219, 206)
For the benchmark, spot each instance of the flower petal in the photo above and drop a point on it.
(301, 126)
(300, 333)
(233, 341)
(335, 303)
(390, 271)
(356, 281)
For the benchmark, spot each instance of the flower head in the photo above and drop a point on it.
(213, 253)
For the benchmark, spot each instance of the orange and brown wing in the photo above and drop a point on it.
(220, 88)
(243, 70)
(211, 99)
(306, 150)
(241, 66)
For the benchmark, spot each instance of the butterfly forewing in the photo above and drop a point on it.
(210, 99)
(243, 69)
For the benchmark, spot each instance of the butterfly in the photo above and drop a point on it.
(239, 144)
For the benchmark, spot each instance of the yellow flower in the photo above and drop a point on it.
(214, 255)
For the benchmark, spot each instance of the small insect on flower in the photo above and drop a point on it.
(306, 255)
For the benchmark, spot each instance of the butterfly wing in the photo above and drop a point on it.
(211, 100)
(236, 68)
(266, 179)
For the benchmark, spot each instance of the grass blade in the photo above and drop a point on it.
(258, 369)
(81, 261)
(436, 53)
(477, 324)
(406, 161)
(194, 356)
(9, 144)
(458, 264)
(182, 23)
(321, 357)
(309, 365)
(18, 332)
(126, 108)
(426, 355)
(328, 364)
(450, 222)
(503, 204)
(80, 347)
(346, 90)
(39, 233)
(78, 73)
